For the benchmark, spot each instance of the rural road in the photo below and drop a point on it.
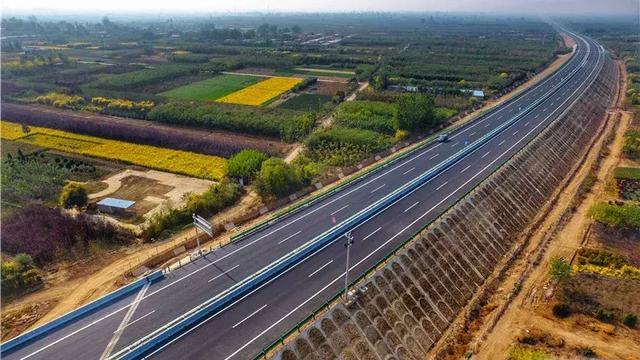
(245, 327)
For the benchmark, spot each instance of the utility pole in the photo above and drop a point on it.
(347, 245)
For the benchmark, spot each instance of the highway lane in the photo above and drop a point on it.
(196, 282)
(244, 329)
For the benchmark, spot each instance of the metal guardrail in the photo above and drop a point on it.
(291, 210)
(73, 315)
(327, 304)
(193, 316)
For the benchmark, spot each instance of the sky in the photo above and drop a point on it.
(601, 7)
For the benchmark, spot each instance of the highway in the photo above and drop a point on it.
(245, 327)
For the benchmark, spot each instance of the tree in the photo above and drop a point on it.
(416, 112)
(560, 269)
(245, 164)
(296, 29)
(277, 178)
(73, 194)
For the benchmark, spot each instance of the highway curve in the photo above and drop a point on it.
(245, 327)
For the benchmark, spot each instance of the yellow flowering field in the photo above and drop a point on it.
(259, 93)
(177, 161)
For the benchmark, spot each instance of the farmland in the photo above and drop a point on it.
(182, 162)
(261, 92)
(211, 89)
(306, 102)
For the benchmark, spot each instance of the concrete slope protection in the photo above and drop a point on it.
(245, 326)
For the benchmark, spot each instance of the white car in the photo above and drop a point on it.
(443, 137)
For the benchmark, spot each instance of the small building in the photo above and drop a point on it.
(114, 206)
(478, 93)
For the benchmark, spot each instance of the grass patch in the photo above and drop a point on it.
(211, 89)
(628, 173)
(623, 216)
(524, 353)
(306, 102)
(177, 161)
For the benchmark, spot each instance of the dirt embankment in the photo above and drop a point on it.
(527, 319)
(72, 286)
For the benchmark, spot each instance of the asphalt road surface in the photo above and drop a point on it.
(244, 328)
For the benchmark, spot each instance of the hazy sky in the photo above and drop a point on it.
(513, 6)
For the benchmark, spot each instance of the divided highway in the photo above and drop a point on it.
(245, 327)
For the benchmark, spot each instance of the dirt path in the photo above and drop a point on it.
(530, 308)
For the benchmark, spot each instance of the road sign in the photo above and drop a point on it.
(202, 224)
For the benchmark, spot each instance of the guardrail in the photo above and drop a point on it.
(327, 304)
(240, 289)
(291, 210)
(73, 315)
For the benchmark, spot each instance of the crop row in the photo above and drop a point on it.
(177, 161)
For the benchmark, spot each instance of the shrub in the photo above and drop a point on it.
(343, 146)
(560, 269)
(296, 128)
(370, 115)
(245, 164)
(561, 310)
(25, 180)
(215, 199)
(623, 216)
(277, 178)
(73, 194)
(121, 107)
(631, 146)
(59, 100)
(604, 315)
(627, 173)
(630, 320)
(416, 112)
(46, 234)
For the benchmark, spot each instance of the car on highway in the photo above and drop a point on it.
(443, 137)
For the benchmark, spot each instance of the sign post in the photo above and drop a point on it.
(200, 223)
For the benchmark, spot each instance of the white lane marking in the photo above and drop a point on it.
(378, 188)
(123, 324)
(485, 154)
(250, 315)
(295, 220)
(411, 207)
(140, 318)
(515, 132)
(465, 169)
(292, 235)
(408, 171)
(337, 211)
(501, 142)
(377, 249)
(473, 133)
(544, 110)
(370, 235)
(224, 273)
(433, 157)
(443, 184)
(455, 143)
(320, 268)
(537, 116)
(487, 125)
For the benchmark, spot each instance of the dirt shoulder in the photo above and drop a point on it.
(566, 230)
(64, 292)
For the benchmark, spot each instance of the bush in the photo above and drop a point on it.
(416, 112)
(622, 216)
(47, 234)
(630, 320)
(560, 269)
(59, 100)
(344, 146)
(245, 164)
(288, 125)
(25, 180)
(631, 146)
(369, 115)
(73, 194)
(215, 199)
(604, 315)
(561, 310)
(277, 178)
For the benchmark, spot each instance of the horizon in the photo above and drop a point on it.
(199, 7)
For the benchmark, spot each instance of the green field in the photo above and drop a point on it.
(306, 102)
(211, 89)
